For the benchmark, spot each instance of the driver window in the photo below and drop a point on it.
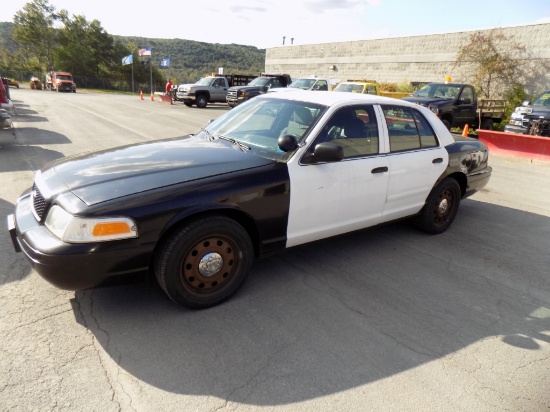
(467, 93)
(355, 129)
(321, 85)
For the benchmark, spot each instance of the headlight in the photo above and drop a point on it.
(434, 109)
(74, 229)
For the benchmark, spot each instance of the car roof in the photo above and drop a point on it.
(340, 99)
(329, 98)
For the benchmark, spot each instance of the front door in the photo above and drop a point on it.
(330, 198)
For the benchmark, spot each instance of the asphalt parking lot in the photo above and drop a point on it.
(386, 319)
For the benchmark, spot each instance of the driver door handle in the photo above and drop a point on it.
(438, 160)
(382, 169)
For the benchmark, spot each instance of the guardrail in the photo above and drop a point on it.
(516, 145)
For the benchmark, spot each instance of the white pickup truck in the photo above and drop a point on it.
(313, 83)
(308, 83)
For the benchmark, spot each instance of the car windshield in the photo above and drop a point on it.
(205, 81)
(543, 100)
(258, 123)
(260, 81)
(350, 87)
(443, 91)
(302, 83)
(64, 77)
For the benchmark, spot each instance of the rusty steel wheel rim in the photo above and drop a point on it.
(444, 206)
(209, 263)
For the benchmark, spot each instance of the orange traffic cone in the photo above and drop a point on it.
(466, 131)
(141, 94)
(152, 96)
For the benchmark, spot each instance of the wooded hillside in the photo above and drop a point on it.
(189, 60)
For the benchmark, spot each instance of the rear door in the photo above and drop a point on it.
(416, 160)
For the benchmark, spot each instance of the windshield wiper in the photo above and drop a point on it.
(241, 145)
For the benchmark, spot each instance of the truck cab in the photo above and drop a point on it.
(238, 94)
(60, 81)
(457, 105)
(358, 86)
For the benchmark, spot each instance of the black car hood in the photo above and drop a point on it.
(540, 111)
(425, 101)
(101, 176)
(248, 88)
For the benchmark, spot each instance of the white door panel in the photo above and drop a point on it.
(412, 176)
(334, 198)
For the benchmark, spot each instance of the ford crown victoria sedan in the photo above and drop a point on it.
(277, 171)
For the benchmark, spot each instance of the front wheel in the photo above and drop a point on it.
(188, 103)
(440, 208)
(205, 262)
(201, 101)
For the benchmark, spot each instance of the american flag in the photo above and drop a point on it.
(145, 51)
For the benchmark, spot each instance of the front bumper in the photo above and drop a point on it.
(66, 87)
(185, 96)
(509, 128)
(5, 119)
(74, 266)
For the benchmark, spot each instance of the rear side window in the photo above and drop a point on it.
(408, 129)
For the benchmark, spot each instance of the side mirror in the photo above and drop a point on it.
(287, 143)
(525, 103)
(466, 100)
(328, 152)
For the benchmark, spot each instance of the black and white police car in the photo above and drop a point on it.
(277, 171)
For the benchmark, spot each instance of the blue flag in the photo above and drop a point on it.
(165, 62)
(127, 60)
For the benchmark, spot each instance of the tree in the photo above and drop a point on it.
(34, 30)
(83, 47)
(494, 61)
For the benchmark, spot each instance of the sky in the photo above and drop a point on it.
(269, 23)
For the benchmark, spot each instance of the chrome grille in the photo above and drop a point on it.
(38, 202)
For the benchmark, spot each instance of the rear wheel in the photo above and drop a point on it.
(201, 101)
(440, 208)
(188, 103)
(205, 262)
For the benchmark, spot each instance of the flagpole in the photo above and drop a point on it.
(132, 73)
(151, 71)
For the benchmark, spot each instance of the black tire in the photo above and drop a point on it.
(486, 123)
(447, 124)
(183, 272)
(188, 103)
(441, 207)
(201, 101)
